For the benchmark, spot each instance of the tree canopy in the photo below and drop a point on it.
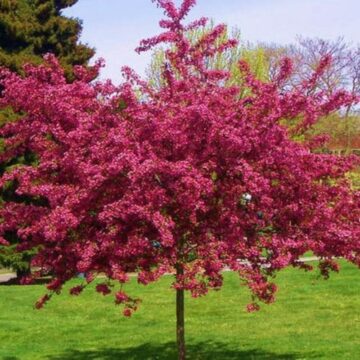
(31, 28)
(187, 178)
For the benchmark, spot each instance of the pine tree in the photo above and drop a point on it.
(28, 30)
(31, 28)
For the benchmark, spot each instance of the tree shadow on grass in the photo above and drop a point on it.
(199, 351)
(15, 281)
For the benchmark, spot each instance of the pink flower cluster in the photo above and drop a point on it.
(192, 176)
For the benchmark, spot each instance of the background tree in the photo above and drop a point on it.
(32, 28)
(343, 127)
(28, 30)
(226, 60)
(187, 179)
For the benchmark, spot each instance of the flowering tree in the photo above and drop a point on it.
(256, 56)
(28, 30)
(187, 178)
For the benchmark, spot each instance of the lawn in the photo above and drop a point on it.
(312, 319)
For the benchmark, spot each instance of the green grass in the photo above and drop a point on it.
(312, 319)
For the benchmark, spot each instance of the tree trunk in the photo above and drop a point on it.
(180, 322)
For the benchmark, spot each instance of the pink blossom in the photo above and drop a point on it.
(253, 307)
(132, 178)
(76, 290)
(41, 302)
(26, 280)
(103, 289)
(127, 312)
(121, 297)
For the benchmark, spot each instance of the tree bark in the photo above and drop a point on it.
(180, 320)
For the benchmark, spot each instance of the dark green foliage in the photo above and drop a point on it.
(31, 28)
(9, 256)
(18, 261)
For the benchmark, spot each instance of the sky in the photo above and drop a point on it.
(115, 27)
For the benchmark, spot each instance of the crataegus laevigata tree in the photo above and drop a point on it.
(187, 178)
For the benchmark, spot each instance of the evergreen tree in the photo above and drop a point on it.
(28, 30)
(31, 28)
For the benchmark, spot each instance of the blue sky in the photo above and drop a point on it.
(115, 27)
